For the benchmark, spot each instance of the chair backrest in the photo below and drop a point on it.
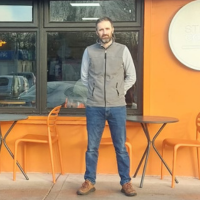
(198, 126)
(51, 121)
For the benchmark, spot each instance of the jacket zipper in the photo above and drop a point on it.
(105, 79)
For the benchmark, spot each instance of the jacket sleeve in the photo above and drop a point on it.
(85, 68)
(130, 73)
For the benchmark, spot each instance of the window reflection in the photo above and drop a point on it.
(79, 11)
(16, 12)
(18, 69)
(65, 52)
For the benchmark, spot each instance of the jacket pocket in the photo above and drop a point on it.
(91, 88)
(117, 89)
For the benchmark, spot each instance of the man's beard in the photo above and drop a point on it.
(105, 40)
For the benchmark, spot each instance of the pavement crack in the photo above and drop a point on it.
(50, 189)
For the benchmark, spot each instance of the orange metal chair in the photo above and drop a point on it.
(49, 138)
(176, 143)
(108, 141)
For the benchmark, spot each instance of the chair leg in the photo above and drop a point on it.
(24, 157)
(15, 161)
(163, 146)
(60, 157)
(198, 154)
(174, 165)
(52, 162)
(0, 162)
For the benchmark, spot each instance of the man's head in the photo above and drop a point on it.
(105, 30)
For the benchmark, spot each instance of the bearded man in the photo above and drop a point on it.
(108, 71)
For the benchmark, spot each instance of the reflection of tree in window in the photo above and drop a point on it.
(118, 10)
(66, 50)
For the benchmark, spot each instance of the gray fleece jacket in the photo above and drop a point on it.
(108, 74)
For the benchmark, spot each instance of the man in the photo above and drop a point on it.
(108, 72)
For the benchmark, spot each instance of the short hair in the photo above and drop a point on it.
(104, 19)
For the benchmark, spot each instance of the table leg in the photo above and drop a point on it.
(3, 139)
(140, 162)
(146, 153)
(145, 129)
(153, 140)
(145, 164)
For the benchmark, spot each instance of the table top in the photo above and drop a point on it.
(151, 119)
(12, 117)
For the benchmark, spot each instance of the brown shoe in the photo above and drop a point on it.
(128, 190)
(86, 188)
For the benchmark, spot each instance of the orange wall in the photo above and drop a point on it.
(170, 89)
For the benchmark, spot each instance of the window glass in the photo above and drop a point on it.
(18, 69)
(84, 11)
(16, 12)
(3, 81)
(65, 50)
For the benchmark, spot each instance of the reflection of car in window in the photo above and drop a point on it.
(23, 84)
(28, 75)
(58, 92)
(9, 86)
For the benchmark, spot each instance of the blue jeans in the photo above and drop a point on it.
(116, 118)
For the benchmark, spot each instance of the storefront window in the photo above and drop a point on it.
(17, 69)
(18, 11)
(84, 11)
(42, 41)
(64, 51)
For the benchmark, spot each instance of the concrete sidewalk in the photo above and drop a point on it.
(40, 187)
